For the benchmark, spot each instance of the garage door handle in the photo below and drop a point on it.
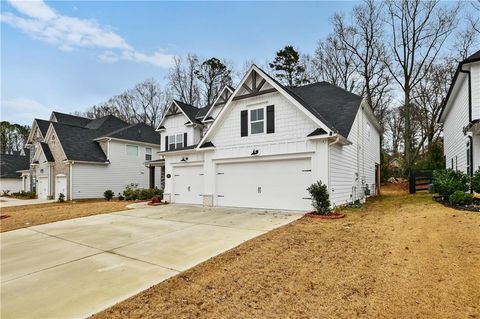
(220, 173)
(176, 175)
(177, 194)
(306, 170)
(220, 195)
(306, 198)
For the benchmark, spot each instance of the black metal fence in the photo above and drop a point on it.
(419, 180)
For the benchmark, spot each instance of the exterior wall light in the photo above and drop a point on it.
(254, 152)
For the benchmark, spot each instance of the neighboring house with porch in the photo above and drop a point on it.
(262, 144)
(11, 166)
(461, 117)
(81, 157)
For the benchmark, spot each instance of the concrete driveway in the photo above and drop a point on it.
(75, 268)
(10, 202)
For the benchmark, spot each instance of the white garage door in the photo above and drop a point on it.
(42, 187)
(61, 186)
(188, 184)
(265, 184)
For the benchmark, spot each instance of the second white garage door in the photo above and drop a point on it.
(42, 187)
(188, 184)
(279, 184)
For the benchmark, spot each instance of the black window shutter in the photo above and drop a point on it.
(166, 142)
(244, 123)
(270, 119)
(185, 140)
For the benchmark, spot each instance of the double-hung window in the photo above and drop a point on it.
(175, 141)
(257, 121)
(148, 154)
(179, 141)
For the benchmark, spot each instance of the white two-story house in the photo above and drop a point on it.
(81, 158)
(461, 117)
(262, 144)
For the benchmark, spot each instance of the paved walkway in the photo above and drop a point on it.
(10, 202)
(77, 267)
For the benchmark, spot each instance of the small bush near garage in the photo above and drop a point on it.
(61, 197)
(108, 194)
(461, 198)
(120, 197)
(475, 182)
(320, 198)
(448, 181)
(24, 195)
(131, 193)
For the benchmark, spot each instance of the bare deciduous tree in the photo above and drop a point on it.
(363, 38)
(335, 63)
(418, 30)
(183, 82)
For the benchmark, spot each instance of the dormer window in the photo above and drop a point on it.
(257, 121)
(175, 141)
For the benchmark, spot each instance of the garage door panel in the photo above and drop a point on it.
(265, 184)
(188, 184)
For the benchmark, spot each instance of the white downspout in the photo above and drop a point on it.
(71, 180)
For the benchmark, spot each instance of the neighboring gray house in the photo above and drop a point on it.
(82, 158)
(10, 167)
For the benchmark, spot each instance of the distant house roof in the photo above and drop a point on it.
(10, 164)
(473, 58)
(43, 126)
(71, 119)
(106, 124)
(78, 143)
(47, 152)
(140, 132)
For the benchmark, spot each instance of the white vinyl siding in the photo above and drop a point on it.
(475, 76)
(132, 150)
(353, 166)
(455, 142)
(91, 180)
(11, 184)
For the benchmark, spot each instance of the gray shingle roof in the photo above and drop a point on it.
(47, 152)
(78, 143)
(43, 126)
(71, 119)
(190, 111)
(140, 132)
(10, 164)
(474, 57)
(106, 124)
(336, 106)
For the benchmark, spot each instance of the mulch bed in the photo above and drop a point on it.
(475, 207)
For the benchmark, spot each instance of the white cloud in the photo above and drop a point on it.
(23, 110)
(41, 22)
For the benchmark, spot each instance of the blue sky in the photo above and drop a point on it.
(69, 55)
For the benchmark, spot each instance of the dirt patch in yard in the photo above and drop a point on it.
(30, 215)
(401, 256)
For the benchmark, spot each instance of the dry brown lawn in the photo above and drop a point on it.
(30, 215)
(401, 256)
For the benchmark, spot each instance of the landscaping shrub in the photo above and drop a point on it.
(475, 182)
(120, 196)
(61, 198)
(24, 195)
(320, 198)
(141, 193)
(447, 181)
(461, 198)
(108, 194)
